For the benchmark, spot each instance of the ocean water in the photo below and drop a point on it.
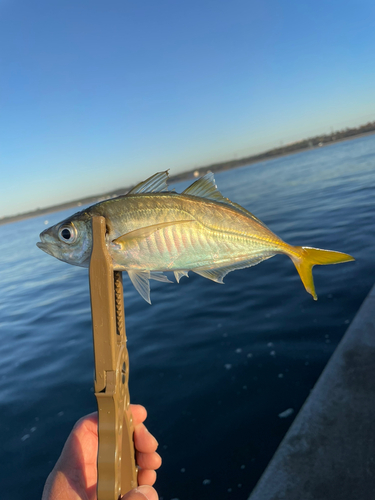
(222, 370)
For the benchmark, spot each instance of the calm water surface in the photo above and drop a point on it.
(214, 365)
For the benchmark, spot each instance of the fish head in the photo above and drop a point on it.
(69, 240)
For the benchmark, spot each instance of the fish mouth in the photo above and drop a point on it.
(45, 245)
(41, 245)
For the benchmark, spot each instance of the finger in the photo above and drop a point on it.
(143, 440)
(81, 446)
(88, 423)
(146, 476)
(139, 414)
(148, 460)
(141, 493)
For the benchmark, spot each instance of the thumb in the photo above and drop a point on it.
(141, 493)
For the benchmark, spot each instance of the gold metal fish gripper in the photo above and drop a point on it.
(117, 471)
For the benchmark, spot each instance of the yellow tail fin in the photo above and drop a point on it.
(309, 257)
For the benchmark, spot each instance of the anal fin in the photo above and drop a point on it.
(217, 274)
(159, 276)
(179, 274)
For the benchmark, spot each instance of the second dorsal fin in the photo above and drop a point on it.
(205, 187)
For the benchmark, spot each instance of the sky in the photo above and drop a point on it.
(96, 95)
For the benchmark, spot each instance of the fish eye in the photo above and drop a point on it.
(67, 234)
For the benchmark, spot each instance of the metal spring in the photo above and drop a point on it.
(118, 301)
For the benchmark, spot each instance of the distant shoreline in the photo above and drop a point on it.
(289, 149)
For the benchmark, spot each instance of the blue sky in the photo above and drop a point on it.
(97, 95)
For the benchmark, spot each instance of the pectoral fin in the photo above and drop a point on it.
(144, 232)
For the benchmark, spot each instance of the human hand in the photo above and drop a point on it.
(74, 476)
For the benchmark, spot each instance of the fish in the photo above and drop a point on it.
(152, 230)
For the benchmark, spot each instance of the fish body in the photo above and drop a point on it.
(151, 230)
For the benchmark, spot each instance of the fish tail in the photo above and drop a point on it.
(305, 258)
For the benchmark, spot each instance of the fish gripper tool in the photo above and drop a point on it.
(117, 470)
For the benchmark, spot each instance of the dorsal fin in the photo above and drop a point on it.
(242, 209)
(205, 187)
(157, 183)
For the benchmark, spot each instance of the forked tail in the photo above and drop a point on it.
(305, 258)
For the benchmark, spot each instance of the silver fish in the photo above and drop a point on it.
(151, 230)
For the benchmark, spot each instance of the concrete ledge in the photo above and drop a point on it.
(329, 451)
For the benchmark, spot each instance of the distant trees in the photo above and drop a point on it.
(311, 142)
